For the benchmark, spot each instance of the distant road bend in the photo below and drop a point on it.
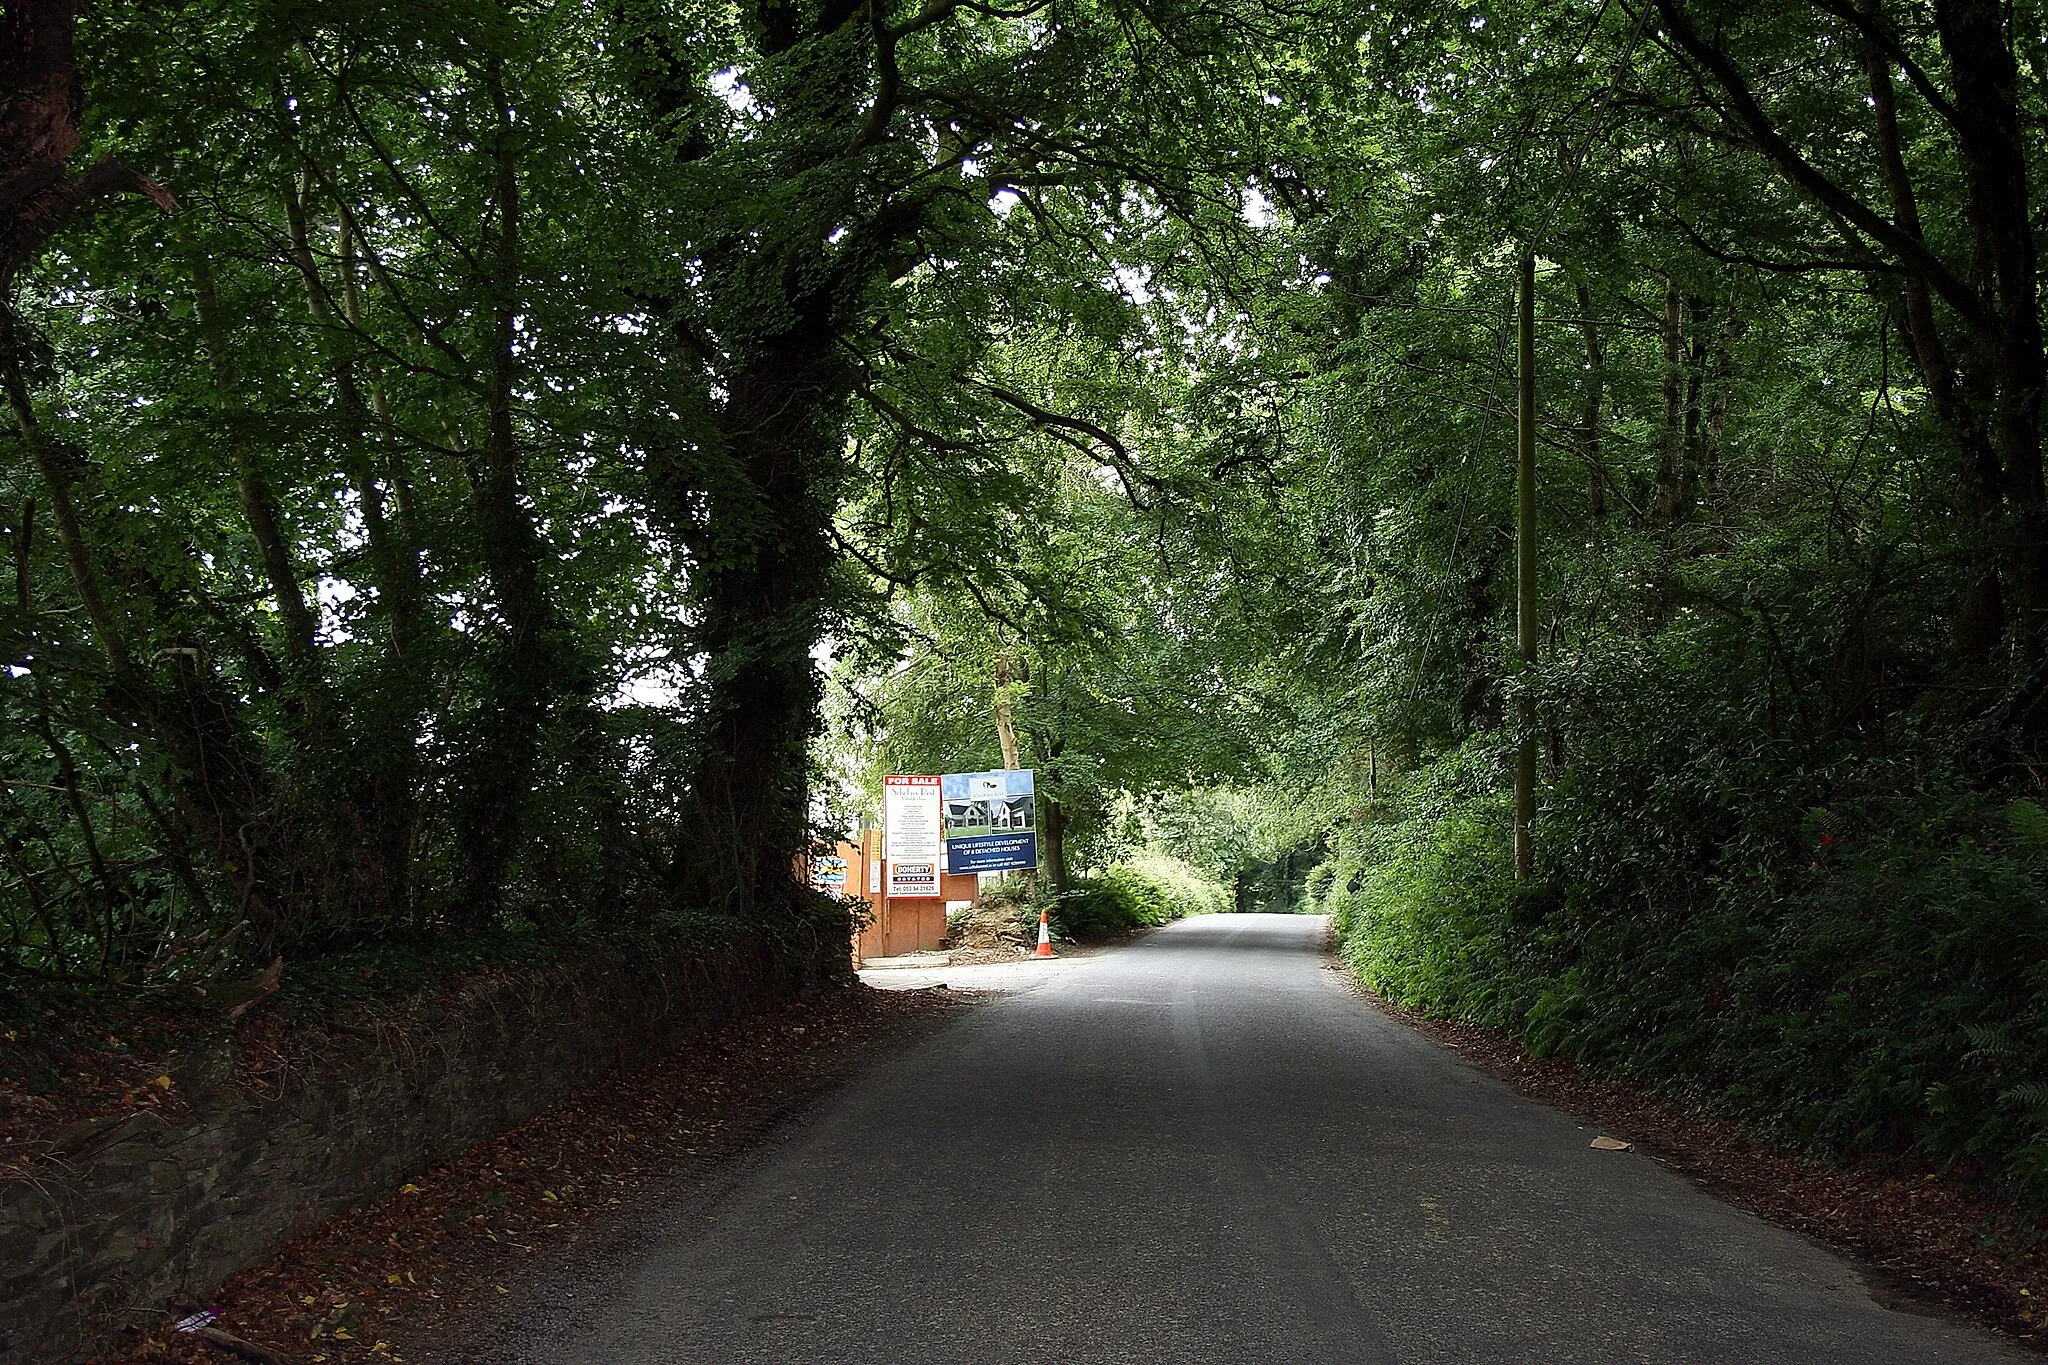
(1206, 1147)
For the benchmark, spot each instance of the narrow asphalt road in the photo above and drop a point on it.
(1205, 1147)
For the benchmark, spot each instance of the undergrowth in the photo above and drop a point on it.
(1144, 892)
(1864, 974)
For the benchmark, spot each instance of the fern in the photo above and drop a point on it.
(2029, 825)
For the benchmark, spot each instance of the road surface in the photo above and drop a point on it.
(1206, 1147)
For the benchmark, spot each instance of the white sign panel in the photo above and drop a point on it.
(912, 810)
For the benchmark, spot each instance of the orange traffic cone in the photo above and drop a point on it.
(1044, 934)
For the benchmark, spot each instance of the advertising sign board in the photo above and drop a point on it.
(910, 808)
(991, 821)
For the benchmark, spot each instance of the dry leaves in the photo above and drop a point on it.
(366, 1286)
(1919, 1233)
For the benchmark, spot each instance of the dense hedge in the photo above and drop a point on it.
(1865, 976)
(1141, 894)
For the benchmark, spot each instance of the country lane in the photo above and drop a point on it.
(1206, 1147)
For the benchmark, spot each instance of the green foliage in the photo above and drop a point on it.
(1874, 982)
(1176, 888)
(1421, 902)
(422, 539)
(1145, 893)
(458, 470)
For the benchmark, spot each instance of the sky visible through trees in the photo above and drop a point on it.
(483, 469)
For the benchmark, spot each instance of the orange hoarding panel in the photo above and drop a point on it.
(916, 924)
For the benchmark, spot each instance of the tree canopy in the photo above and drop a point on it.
(481, 467)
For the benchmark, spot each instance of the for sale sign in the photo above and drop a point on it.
(911, 810)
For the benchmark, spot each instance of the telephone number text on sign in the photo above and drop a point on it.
(913, 879)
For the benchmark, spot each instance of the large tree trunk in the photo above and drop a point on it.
(1048, 744)
(1052, 820)
(1980, 616)
(2002, 268)
(761, 571)
(1923, 336)
(761, 590)
(41, 97)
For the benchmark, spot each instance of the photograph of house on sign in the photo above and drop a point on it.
(990, 821)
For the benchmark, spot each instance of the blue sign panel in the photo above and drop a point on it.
(990, 821)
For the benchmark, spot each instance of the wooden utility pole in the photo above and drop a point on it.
(1525, 561)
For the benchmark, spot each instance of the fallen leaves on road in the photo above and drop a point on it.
(367, 1285)
(1919, 1233)
(1608, 1144)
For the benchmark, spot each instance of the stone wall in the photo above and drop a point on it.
(131, 1211)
